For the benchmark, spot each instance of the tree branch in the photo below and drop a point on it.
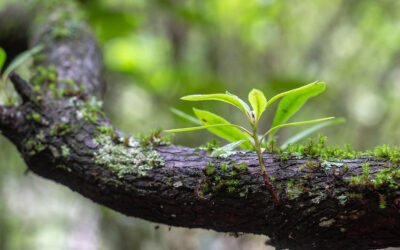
(66, 138)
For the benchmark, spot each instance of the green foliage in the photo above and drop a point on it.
(227, 178)
(382, 201)
(211, 145)
(319, 149)
(258, 102)
(36, 117)
(231, 132)
(292, 102)
(154, 139)
(366, 170)
(2, 58)
(386, 152)
(227, 97)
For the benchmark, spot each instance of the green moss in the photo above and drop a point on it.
(226, 179)
(210, 145)
(155, 139)
(88, 110)
(36, 144)
(284, 156)
(36, 117)
(387, 177)
(342, 199)
(64, 21)
(382, 201)
(312, 166)
(290, 183)
(210, 171)
(293, 192)
(319, 149)
(366, 171)
(105, 129)
(65, 151)
(243, 166)
(124, 160)
(49, 76)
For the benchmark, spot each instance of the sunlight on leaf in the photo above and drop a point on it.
(258, 102)
(2, 58)
(294, 100)
(276, 97)
(231, 133)
(228, 98)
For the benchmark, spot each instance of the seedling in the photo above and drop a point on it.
(291, 102)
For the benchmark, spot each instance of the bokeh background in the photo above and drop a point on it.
(157, 51)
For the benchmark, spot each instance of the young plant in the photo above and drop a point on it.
(291, 102)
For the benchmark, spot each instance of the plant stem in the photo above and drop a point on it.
(267, 181)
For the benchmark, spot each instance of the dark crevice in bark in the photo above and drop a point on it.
(317, 210)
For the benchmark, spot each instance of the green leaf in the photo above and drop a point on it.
(296, 123)
(297, 137)
(185, 116)
(294, 100)
(258, 102)
(232, 133)
(276, 97)
(227, 148)
(228, 98)
(2, 58)
(21, 58)
(200, 127)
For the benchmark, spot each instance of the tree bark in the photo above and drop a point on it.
(63, 136)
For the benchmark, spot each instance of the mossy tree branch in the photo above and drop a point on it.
(64, 136)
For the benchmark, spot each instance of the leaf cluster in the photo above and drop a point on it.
(290, 102)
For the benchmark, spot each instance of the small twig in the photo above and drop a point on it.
(23, 88)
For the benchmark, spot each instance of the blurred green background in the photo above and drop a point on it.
(157, 51)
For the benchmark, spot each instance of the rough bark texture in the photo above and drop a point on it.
(60, 139)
